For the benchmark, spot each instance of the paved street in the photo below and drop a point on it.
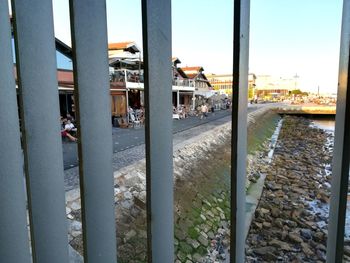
(129, 143)
(127, 138)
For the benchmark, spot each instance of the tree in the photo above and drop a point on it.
(296, 92)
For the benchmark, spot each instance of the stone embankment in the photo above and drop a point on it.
(202, 182)
(291, 220)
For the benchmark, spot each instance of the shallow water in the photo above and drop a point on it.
(325, 124)
(329, 125)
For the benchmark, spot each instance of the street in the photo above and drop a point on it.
(130, 137)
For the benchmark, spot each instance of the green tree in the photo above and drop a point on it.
(296, 92)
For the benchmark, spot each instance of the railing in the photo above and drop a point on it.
(124, 75)
(184, 82)
(120, 75)
(42, 151)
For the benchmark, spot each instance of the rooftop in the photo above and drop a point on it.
(126, 46)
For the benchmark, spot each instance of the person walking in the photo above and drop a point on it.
(204, 110)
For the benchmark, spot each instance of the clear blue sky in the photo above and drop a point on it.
(287, 36)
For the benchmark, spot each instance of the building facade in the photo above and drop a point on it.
(271, 87)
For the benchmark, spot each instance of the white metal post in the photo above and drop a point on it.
(239, 124)
(14, 243)
(156, 18)
(37, 81)
(95, 148)
(341, 153)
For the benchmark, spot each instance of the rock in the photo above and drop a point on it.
(306, 233)
(129, 235)
(306, 249)
(322, 196)
(318, 236)
(291, 223)
(196, 257)
(74, 225)
(275, 212)
(210, 234)
(127, 195)
(261, 251)
(210, 213)
(73, 195)
(74, 256)
(69, 216)
(296, 189)
(185, 248)
(68, 210)
(126, 204)
(266, 224)
(222, 216)
(295, 237)
(75, 205)
(321, 247)
(321, 255)
(193, 243)
(274, 187)
(258, 225)
(203, 239)
(264, 211)
(280, 244)
(278, 222)
(140, 202)
(181, 256)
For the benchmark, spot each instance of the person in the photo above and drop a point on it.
(65, 133)
(228, 104)
(204, 110)
(174, 109)
(69, 127)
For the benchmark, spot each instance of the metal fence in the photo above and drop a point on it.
(39, 186)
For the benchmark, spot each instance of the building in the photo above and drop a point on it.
(223, 83)
(127, 83)
(125, 66)
(183, 87)
(199, 80)
(270, 87)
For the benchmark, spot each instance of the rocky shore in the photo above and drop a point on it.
(290, 223)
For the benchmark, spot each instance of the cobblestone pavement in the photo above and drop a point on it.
(129, 144)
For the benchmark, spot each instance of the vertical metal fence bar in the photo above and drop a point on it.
(14, 243)
(239, 127)
(90, 57)
(156, 23)
(36, 64)
(341, 153)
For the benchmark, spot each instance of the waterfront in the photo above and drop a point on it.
(328, 125)
(287, 225)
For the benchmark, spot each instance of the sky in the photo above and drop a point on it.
(287, 37)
